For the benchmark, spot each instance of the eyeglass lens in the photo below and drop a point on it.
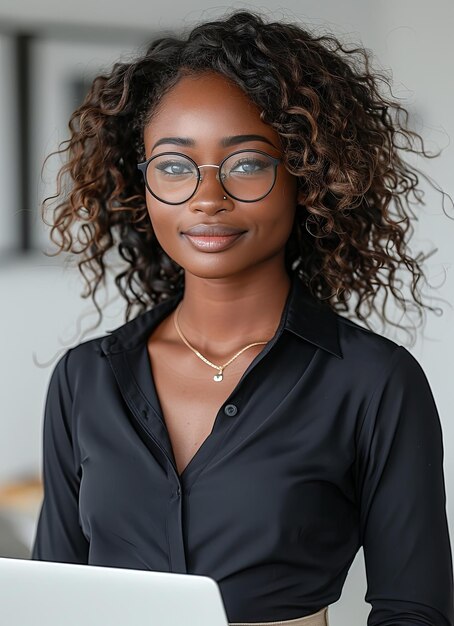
(246, 176)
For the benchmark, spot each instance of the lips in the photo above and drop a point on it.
(212, 230)
(212, 237)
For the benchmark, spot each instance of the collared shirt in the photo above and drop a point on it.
(331, 440)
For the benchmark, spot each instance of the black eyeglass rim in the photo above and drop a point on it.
(144, 164)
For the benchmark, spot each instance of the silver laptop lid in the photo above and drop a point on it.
(39, 593)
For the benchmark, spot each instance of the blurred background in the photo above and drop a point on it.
(49, 52)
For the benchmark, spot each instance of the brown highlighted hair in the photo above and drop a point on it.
(342, 137)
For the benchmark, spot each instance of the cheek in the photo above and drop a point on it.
(160, 219)
(163, 225)
(284, 203)
(282, 225)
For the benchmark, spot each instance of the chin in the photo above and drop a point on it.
(210, 273)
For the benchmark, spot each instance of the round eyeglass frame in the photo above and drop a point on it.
(144, 164)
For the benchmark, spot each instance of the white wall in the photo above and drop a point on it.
(353, 15)
(8, 153)
(41, 301)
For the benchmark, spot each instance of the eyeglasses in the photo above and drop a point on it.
(245, 175)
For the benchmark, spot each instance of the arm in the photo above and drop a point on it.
(402, 497)
(59, 536)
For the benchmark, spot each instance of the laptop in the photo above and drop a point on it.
(39, 593)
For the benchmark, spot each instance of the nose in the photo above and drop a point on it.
(209, 197)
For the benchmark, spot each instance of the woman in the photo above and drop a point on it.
(241, 428)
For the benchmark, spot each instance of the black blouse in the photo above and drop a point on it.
(331, 440)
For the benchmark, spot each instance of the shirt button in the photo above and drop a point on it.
(230, 410)
(176, 493)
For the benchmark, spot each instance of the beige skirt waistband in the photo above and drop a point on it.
(316, 619)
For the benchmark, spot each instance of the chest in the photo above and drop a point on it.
(290, 447)
(189, 397)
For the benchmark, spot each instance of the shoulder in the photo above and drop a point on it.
(393, 383)
(369, 355)
(80, 360)
(88, 357)
(85, 352)
(394, 389)
(354, 337)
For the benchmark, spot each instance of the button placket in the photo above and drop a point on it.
(176, 545)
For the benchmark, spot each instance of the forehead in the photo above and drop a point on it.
(206, 107)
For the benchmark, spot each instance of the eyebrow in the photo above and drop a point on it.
(225, 142)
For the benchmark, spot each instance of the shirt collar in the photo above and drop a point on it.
(312, 319)
(304, 315)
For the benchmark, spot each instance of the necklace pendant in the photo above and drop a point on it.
(217, 377)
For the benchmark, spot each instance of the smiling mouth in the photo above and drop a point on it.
(212, 243)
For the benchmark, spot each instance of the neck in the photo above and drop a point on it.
(222, 314)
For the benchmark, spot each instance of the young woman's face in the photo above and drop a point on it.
(204, 111)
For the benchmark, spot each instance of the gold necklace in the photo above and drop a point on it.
(219, 376)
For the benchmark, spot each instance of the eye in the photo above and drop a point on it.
(248, 166)
(174, 168)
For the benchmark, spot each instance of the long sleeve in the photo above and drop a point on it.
(59, 536)
(401, 488)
